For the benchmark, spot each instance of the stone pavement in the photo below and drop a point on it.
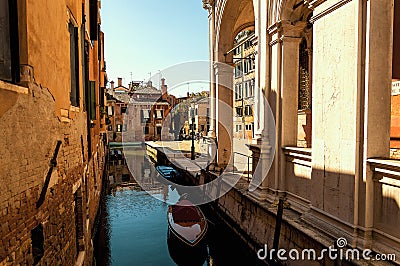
(241, 158)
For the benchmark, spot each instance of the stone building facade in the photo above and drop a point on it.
(140, 113)
(334, 60)
(52, 79)
(243, 101)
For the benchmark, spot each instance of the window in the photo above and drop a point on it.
(246, 89)
(196, 111)
(238, 70)
(74, 64)
(248, 127)
(101, 96)
(159, 114)
(246, 68)
(159, 130)
(251, 64)
(9, 44)
(92, 100)
(144, 115)
(123, 110)
(119, 128)
(202, 128)
(110, 110)
(304, 102)
(248, 111)
(85, 72)
(251, 88)
(146, 130)
(238, 92)
(93, 13)
(239, 111)
(37, 238)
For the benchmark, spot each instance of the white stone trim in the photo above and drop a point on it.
(329, 10)
(12, 87)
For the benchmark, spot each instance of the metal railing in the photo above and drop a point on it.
(249, 161)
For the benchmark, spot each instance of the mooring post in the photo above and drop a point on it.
(278, 226)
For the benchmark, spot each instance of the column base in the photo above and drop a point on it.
(260, 194)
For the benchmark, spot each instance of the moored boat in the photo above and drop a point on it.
(187, 222)
(168, 173)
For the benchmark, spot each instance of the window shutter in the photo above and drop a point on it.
(74, 67)
(92, 95)
(93, 13)
(5, 45)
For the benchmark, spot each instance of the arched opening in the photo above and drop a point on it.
(243, 82)
(304, 130)
(234, 47)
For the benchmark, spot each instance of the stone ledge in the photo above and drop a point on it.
(13, 87)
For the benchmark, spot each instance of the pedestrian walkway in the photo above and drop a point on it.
(178, 153)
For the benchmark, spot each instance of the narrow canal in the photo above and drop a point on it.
(133, 230)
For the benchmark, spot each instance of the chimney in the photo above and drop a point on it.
(187, 94)
(112, 85)
(164, 87)
(119, 82)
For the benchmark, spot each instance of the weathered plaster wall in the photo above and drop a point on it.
(335, 54)
(30, 131)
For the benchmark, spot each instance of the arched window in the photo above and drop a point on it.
(304, 92)
(304, 77)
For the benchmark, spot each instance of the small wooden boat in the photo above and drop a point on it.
(187, 222)
(168, 172)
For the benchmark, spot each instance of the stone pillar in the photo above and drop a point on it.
(378, 77)
(261, 68)
(261, 147)
(211, 141)
(211, 21)
(287, 97)
(224, 84)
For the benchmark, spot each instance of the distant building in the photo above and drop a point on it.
(140, 113)
(52, 137)
(199, 110)
(243, 81)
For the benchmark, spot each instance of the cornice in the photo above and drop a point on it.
(329, 9)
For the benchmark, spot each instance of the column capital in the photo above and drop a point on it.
(286, 28)
(208, 4)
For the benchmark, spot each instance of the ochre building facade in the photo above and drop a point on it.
(52, 79)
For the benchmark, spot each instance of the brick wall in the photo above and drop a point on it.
(28, 139)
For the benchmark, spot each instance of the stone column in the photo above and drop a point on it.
(378, 77)
(263, 120)
(210, 7)
(224, 84)
(287, 95)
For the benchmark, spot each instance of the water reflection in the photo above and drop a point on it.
(182, 254)
(134, 230)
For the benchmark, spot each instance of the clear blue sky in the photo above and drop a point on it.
(151, 35)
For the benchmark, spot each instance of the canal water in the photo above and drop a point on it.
(133, 230)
